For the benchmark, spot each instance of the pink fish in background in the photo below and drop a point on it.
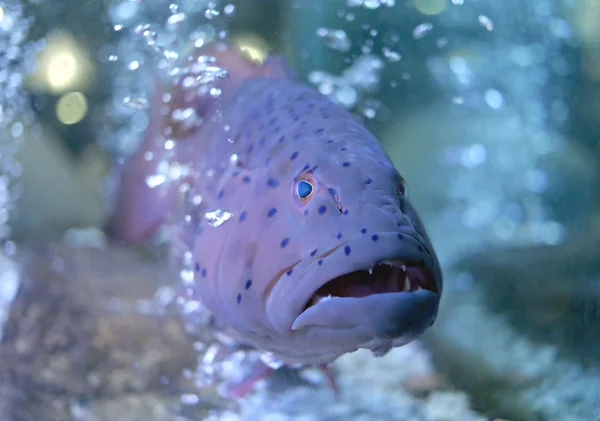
(322, 253)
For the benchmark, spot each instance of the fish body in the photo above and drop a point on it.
(320, 253)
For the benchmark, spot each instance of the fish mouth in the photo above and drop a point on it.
(390, 279)
(385, 277)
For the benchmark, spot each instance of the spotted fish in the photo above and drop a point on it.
(304, 241)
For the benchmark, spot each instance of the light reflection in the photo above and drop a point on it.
(71, 108)
(62, 66)
(1, 14)
(430, 7)
(62, 69)
(252, 45)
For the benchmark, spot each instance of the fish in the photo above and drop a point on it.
(303, 239)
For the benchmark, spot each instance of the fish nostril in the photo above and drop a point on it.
(402, 195)
(402, 204)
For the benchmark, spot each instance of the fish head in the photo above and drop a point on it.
(335, 255)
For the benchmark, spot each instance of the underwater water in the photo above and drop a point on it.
(489, 111)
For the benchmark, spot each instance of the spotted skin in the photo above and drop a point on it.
(257, 271)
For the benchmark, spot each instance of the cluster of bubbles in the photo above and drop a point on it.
(498, 183)
(15, 114)
(160, 41)
(15, 118)
(498, 179)
(154, 40)
(355, 87)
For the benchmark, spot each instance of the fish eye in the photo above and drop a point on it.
(304, 189)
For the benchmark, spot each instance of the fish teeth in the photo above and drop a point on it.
(316, 299)
(407, 285)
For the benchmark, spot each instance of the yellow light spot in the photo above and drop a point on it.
(62, 70)
(71, 108)
(430, 7)
(63, 66)
(253, 46)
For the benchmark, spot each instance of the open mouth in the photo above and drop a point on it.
(385, 277)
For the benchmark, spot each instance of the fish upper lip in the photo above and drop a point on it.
(407, 254)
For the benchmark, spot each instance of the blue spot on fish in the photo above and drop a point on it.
(339, 235)
(347, 250)
(312, 253)
(197, 267)
(346, 164)
(204, 273)
(220, 195)
(246, 179)
(243, 216)
(305, 212)
(320, 262)
(271, 182)
(346, 212)
(319, 131)
(342, 149)
(322, 209)
(294, 156)
(285, 242)
(281, 139)
(271, 212)
(239, 298)
(363, 231)
(329, 141)
(400, 237)
(289, 272)
(332, 191)
(369, 181)
(248, 284)
(374, 237)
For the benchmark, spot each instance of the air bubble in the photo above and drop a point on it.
(486, 22)
(336, 39)
(136, 102)
(494, 99)
(176, 18)
(371, 4)
(422, 30)
(134, 65)
(217, 217)
(391, 55)
(229, 9)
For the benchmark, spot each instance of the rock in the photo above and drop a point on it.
(83, 327)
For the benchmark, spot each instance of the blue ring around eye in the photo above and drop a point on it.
(304, 189)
